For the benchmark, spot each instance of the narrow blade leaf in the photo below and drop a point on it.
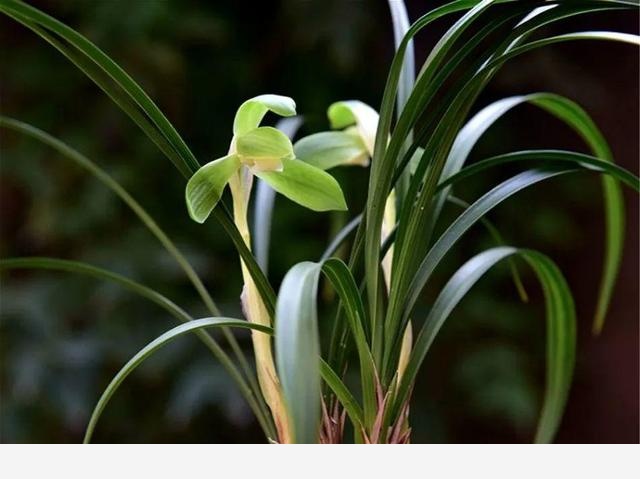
(298, 350)
(152, 347)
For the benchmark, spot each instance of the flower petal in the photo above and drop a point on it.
(306, 185)
(251, 112)
(205, 187)
(332, 148)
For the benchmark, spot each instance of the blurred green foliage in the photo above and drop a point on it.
(63, 337)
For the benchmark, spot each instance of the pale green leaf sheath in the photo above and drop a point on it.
(298, 349)
(205, 187)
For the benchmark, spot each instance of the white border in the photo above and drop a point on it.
(326, 462)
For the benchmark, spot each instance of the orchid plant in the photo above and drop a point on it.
(298, 388)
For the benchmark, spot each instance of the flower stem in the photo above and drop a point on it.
(256, 312)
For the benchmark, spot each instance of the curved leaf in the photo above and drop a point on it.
(342, 280)
(576, 118)
(298, 353)
(561, 329)
(482, 206)
(549, 158)
(151, 348)
(252, 396)
(132, 99)
(298, 350)
(441, 132)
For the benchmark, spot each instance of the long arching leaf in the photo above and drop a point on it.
(132, 99)
(443, 130)
(576, 118)
(477, 210)
(561, 329)
(298, 350)
(102, 176)
(342, 280)
(152, 347)
(176, 311)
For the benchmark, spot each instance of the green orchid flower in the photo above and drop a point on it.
(351, 143)
(267, 153)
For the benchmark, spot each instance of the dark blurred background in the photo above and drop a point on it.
(63, 337)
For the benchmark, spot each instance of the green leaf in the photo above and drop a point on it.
(386, 150)
(306, 185)
(176, 311)
(340, 237)
(595, 35)
(549, 159)
(298, 350)
(400, 20)
(354, 112)
(328, 149)
(152, 347)
(130, 97)
(495, 234)
(576, 118)
(252, 111)
(264, 148)
(561, 329)
(205, 187)
(471, 215)
(412, 231)
(484, 204)
(343, 282)
(571, 163)
(348, 401)
(109, 76)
